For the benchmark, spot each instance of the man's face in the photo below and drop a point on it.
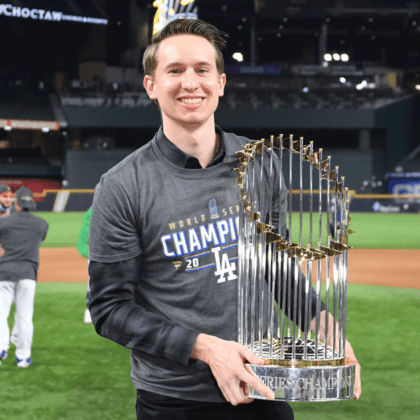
(6, 199)
(186, 82)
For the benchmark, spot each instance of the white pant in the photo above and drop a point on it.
(23, 293)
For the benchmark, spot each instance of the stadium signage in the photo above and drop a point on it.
(274, 69)
(39, 14)
(9, 124)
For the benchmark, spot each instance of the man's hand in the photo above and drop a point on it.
(1, 251)
(227, 363)
(350, 360)
(350, 357)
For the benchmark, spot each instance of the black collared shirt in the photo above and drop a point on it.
(182, 159)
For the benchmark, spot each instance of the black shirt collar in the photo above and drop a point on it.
(182, 159)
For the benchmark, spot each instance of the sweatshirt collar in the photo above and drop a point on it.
(182, 159)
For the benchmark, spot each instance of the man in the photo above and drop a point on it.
(83, 248)
(7, 208)
(20, 236)
(162, 222)
(6, 200)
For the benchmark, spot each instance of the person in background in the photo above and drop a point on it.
(83, 248)
(6, 200)
(20, 237)
(7, 208)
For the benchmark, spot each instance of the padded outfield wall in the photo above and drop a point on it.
(80, 200)
(85, 167)
(399, 120)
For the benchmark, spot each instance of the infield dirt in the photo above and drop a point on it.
(387, 267)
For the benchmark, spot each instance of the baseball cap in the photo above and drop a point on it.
(4, 188)
(25, 198)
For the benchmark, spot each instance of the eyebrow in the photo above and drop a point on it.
(175, 64)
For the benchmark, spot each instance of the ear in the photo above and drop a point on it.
(150, 84)
(222, 83)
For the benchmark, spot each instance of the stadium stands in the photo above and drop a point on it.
(25, 101)
(249, 92)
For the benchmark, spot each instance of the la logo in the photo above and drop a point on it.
(224, 266)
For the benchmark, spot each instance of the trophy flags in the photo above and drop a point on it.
(280, 296)
(169, 10)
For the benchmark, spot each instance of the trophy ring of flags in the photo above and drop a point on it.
(287, 277)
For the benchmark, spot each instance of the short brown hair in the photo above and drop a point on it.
(181, 27)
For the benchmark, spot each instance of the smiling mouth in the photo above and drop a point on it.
(191, 101)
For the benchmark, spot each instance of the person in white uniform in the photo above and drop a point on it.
(21, 234)
(6, 208)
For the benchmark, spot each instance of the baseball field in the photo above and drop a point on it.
(78, 375)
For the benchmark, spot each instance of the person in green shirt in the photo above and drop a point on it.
(83, 248)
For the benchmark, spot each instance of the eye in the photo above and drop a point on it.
(175, 71)
(202, 70)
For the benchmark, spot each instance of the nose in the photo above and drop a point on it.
(190, 80)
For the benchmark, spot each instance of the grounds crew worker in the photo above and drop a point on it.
(21, 234)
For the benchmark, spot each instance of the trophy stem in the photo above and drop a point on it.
(299, 260)
(327, 294)
(289, 261)
(318, 263)
(261, 251)
(271, 278)
(311, 193)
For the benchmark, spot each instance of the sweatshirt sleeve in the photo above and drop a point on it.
(117, 314)
(115, 273)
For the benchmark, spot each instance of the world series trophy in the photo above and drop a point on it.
(282, 283)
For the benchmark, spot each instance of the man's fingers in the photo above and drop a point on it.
(252, 358)
(350, 360)
(237, 394)
(245, 389)
(251, 372)
(254, 382)
(358, 385)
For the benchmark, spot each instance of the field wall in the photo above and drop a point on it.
(81, 200)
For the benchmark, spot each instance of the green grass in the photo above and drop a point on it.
(78, 375)
(395, 231)
(63, 229)
(372, 230)
(382, 328)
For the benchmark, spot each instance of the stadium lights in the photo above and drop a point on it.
(343, 80)
(361, 85)
(365, 84)
(417, 87)
(336, 57)
(238, 56)
(8, 128)
(45, 130)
